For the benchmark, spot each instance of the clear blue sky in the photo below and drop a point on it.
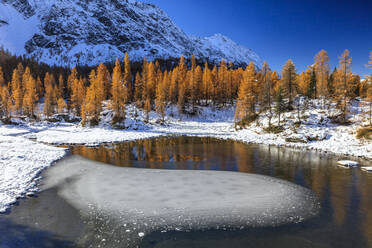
(281, 29)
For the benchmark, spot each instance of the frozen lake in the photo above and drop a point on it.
(193, 203)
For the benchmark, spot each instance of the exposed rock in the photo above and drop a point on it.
(89, 32)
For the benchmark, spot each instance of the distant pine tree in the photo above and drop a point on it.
(268, 90)
(280, 105)
(312, 91)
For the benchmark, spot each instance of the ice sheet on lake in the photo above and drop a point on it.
(146, 200)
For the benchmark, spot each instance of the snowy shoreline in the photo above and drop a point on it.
(25, 150)
(107, 136)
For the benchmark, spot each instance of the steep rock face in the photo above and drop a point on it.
(70, 32)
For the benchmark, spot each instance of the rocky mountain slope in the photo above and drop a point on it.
(70, 32)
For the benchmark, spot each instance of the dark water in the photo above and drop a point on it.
(345, 219)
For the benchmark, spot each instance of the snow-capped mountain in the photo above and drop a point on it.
(70, 32)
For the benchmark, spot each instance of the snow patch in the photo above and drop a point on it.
(21, 161)
(17, 30)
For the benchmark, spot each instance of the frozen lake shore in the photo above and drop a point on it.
(23, 157)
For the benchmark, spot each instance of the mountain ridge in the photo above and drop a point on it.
(70, 32)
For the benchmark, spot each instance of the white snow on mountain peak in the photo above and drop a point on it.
(70, 32)
(15, 29)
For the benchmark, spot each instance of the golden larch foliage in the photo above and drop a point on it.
(206, 81)
(70, 80)
(322, 73)
(50, 100)
(17, 92)
(61, 86)
(342, 80)
(118, 94)
(289, 82)
(304, 82)
(138, 84)
(94, 97)
(173, 88)
(161, 94)
(103, 81)
(245, 106)
(77, 95)
(30, 97)
(5, 102)
(61, 106)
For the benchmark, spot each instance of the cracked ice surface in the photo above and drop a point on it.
(142, 201)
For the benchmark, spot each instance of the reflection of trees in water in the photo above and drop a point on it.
(339, 185)
(345, 194)
(366, 206)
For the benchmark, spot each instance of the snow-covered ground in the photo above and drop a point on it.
(24, 149)
(315, 132)
(21, 161)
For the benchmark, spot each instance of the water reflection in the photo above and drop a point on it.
(346, 195)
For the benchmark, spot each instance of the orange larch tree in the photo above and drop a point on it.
(30, 97)
(321, 67)
(118, 93)
(17, 92)
(342, 85)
